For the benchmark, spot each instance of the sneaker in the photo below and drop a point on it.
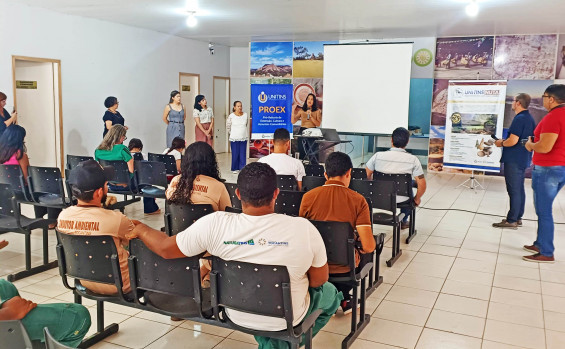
(519, 222)
(505, 224)
(539, 258)
(531, 248)
(404, 225)
(347, 307)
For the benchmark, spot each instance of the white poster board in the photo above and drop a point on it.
(475, 111)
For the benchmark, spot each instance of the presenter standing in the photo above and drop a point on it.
(516, 159)
(174, 116)
(5, 118)
(237, 129)
(204, 118)
(310, 116)
(112, 116)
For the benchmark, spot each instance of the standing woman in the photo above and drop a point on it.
(204, 118)
(5, 118)
(112, 116)
(174, 116)
(237, 129)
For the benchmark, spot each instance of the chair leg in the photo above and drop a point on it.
(101, 332)
(357, 327)
(29, 271)
(396, 251)
(45, 246)
(28, 250)
(308, 339)
(412, 231)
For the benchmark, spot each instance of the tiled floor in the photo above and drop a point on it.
(459, 284)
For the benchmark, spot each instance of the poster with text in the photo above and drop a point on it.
(271, 109)
(475, 113)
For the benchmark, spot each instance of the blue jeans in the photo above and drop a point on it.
(546, 183)
(238, 155)
(514, 176)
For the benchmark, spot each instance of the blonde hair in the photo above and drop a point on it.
(113, 137)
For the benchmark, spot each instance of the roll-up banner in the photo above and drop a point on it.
(271, 109)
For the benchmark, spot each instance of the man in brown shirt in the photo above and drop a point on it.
(334, 201)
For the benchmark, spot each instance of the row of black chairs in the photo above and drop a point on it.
(318, 171)
(15, 336)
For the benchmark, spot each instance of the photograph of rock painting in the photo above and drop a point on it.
(464, 57)
(528, 57)
(271, 59)
(535, 89)
(560, 59)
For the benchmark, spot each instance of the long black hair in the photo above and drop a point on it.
(173, 94)
(177, 143)
(199, 159)
(12, 142)
(197, 101)
(314, 104)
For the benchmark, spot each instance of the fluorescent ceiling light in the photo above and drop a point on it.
(191, 21)
(472, 9)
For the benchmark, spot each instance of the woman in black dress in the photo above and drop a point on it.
(112, 116)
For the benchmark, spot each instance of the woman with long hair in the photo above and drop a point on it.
(310, 116)
(113, 149)
(204, 118)
(174, 116)
(175, 149)
(237, 129)
(112, 116)
(6, 119)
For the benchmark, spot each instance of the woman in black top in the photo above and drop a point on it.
(5, 118)
(112, 116)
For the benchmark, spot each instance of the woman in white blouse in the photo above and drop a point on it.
(237, 129)
(204, 118)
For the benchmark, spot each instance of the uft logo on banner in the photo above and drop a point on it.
(262, 97)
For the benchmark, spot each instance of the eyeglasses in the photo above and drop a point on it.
(545, 96)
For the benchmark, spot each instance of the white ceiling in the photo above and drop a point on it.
(236, 22)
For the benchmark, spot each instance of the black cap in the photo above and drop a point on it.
(90, 175)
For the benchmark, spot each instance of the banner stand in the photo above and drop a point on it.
(473, 183)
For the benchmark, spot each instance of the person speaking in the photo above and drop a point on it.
(310, 116)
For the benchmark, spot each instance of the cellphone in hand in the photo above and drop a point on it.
(494, 137)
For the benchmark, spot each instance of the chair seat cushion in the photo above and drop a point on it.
(52, 199)
(9, 224)
(184, 307)
(153, 191)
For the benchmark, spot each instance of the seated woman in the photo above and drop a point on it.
(177, 147)
(13, 152)
(135, 147)
(113, 149)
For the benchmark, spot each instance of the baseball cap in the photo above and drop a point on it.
(90, 175)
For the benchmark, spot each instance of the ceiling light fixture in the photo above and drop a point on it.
(191, 20)
(472, 9)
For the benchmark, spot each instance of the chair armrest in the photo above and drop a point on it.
(400, 216)
(380, 241)
(365, 270)
(308, 322)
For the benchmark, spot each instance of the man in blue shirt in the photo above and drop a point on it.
(516, 159)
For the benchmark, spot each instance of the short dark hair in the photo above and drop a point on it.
(281, 135)
(257, 183)
(135, 143)
(524, 99)
(337, 164)
(110, 101)
(3, 96)
(86, 196)
(400, 137)
(556, 91)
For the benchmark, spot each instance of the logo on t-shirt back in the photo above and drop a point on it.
(249, 242)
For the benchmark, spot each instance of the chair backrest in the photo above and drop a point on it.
(168, 160)
(231, 187)
(89, 257)
(381, 193)
(51, 343)
(339, 240)
(14, 335)
(151, 173)
(233, 209)
(251, 288)
(121, 171)
(68, 185)
(150, 272)
(7, 200)
(286, 182)
(288, 202)
(12, 174)
(403, 182)
(74, 160)
(358, 173)
(314, 170)
(311, 182)
(178, 217)
(45, 180)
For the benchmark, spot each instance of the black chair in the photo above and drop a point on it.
(287, 182)
(11, 221)
(339, 240)
(375, 278)
(235, 202)
(233, 209)
(383, 198)
(14, 335)
(12, 175)
(261, 290)
(74, 160)
(91, 258)
(151, 179)
(179, 217)
(358, 173)
(168, 286)
(314, 170)
(46, 187)
(122, 176)
(168, 160)
(311, 182)
(288, 202)
(51, 343)
(403, 188)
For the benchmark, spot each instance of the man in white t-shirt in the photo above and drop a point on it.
(266, 238)
(280, 161)
(397, 160)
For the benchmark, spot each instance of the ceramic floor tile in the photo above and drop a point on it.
(519, 335)
(445, 241)
(496, 345)
(422, 282)
(515, 283)
(200, 327)
(474, 265)
(400, 312)
(480, 246)
(109, 318)
(412, 296)
(466, 289)
(553, 303)
(462, 305)
(139, 333)
(435, 270)
(456, 323)
(231, 344)
(242, 337)
(470, 276)
(439, 249)
(517, 271)
(477, 255)
(106, 345)
(433, 259)
(515, 260)
(392, 333)
(434, 339)
(555, 340)
(515, 314)
(518, 298)
(179, 337)
(554, 321)
(552, 276)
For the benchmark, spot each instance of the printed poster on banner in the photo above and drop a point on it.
(475, 113)
(271, 109)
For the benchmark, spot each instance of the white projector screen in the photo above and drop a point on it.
(366, 87)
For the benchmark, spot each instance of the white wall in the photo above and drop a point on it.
(99, 59)
(239, 77)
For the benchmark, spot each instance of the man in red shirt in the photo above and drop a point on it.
(548, 176)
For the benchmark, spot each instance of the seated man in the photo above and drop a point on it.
(291, 241)
(397, 160)
(89, 184)
(280, 161)
(336, 202)
(67, 322)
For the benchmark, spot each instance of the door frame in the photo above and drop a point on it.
(227, 78)
(191, 75)
(60, 92)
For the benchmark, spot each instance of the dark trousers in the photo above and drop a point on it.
(238, 155)
(52, 213)
(514, 177)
